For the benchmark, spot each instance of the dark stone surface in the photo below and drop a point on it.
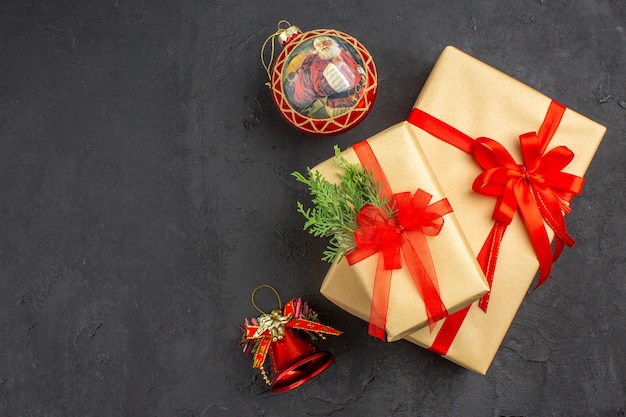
(145, 192)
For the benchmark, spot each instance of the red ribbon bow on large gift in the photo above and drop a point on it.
(405, 234)
(538, 188)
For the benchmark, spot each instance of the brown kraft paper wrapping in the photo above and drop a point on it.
(481, 101)
(460, 278)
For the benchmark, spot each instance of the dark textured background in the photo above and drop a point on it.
(145, 192)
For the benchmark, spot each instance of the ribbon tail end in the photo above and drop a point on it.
(484, 302)
(377, 332)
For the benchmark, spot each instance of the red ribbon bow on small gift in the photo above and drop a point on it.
(379, 233)
(271, 328)
(405, 233)
(538, 187)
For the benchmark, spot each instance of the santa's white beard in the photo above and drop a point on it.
(329, 53)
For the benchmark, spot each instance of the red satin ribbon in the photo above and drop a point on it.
(538, 188)
(397, 238)
(294, 323)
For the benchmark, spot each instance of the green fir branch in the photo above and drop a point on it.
(336, 206)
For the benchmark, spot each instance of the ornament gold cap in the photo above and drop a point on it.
(286, 34)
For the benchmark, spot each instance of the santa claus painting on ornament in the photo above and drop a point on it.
(324, 78)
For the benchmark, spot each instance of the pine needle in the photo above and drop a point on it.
(336, 206)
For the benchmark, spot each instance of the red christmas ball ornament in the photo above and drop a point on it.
(323, 82)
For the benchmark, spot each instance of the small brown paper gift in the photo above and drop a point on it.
(460, 279)
(474, 100)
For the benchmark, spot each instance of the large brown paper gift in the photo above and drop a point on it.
(480, 101)
(460, 278)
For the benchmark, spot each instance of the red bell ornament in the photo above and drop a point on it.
(295, 360)
(282, 334)
(323, 82)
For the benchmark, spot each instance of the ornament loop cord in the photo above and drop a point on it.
(280, 306)
(272, 37)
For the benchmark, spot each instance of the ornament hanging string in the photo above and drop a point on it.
(272, 38)
(280, 305)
